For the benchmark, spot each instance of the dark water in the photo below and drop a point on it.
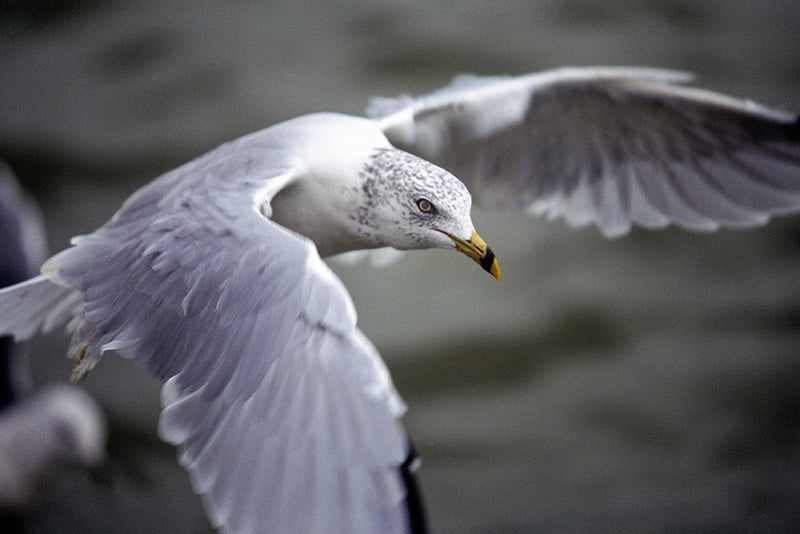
(647, 384)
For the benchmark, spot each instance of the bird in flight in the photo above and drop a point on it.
(210, 276)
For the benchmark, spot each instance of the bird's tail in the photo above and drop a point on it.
(36, 305)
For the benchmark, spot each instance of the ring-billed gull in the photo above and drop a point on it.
(60, 422)
(211, 277)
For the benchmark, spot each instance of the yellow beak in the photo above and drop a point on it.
(476, 249)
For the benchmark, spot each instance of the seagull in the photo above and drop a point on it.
(211, 278)
(60, 422)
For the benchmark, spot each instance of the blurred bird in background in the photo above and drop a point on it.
(60, 422)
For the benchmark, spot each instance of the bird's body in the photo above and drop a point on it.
(211, 276)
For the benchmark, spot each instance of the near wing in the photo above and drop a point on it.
(609, 146)
(282, 410)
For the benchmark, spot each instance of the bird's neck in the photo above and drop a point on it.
(325, 213)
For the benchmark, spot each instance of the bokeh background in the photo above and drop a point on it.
(645, 384)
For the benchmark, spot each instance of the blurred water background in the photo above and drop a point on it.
(646, 384)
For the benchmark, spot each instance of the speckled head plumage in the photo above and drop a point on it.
(410, 202)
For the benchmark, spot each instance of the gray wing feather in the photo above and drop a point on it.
(282, 411)
(608, 146)
(36, 305)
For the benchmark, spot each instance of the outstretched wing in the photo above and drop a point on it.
(283, 412)
(609, 146)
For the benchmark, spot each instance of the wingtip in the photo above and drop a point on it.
(416, 510)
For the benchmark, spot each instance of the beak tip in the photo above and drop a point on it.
(490, 265)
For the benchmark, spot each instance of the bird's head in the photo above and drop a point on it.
(411, 203)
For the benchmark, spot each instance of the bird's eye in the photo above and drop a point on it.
(425, 205)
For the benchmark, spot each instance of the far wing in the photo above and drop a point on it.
(609, 146)
(282, 410)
